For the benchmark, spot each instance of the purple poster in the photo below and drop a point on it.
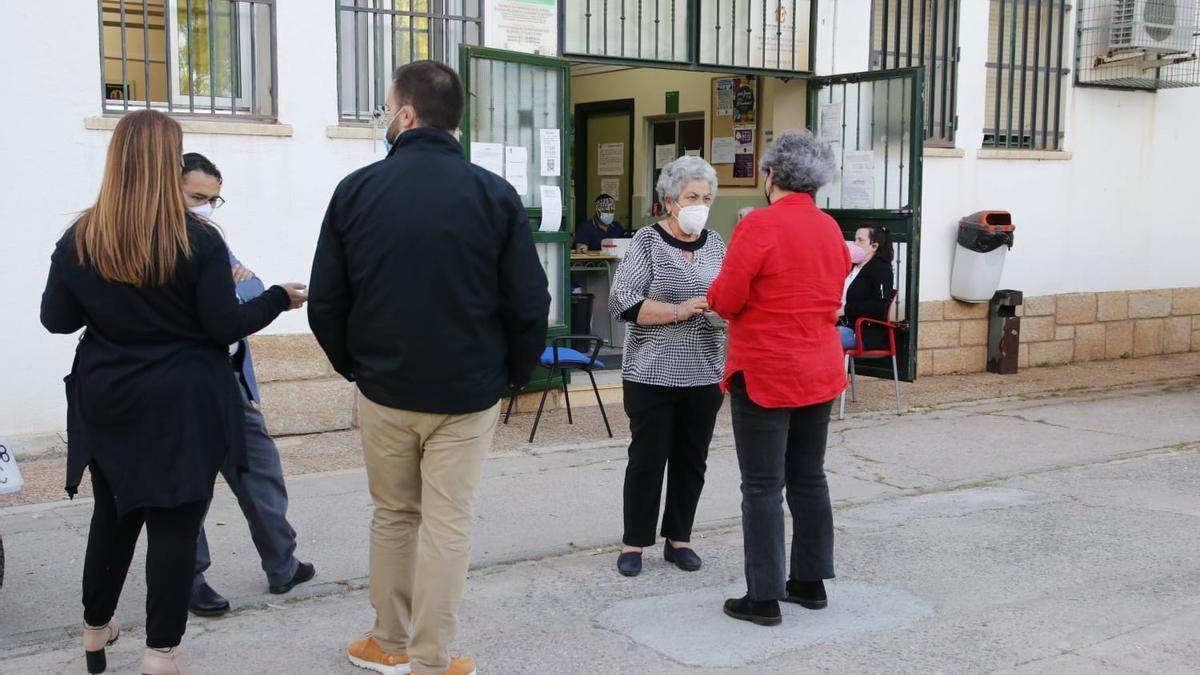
(743, 166)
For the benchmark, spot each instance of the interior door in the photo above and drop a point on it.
(517, 123)
(874, 121)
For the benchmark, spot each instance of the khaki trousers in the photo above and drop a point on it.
(422, 470)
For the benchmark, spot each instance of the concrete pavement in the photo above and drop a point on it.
(1053, 534)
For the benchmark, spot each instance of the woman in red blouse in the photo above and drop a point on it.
(780, 289)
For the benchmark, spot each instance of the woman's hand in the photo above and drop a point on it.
(297, 295)
(693, 307)
(241, 273)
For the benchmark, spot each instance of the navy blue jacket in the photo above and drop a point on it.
(426, 288)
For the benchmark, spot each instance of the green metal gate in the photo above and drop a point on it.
(511, 98)
(874, 121)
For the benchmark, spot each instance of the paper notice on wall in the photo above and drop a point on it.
(551, 208)
(610, 159)
(488, 155)
(743, 166)
(858, 192)
(858, 163)
(664, 155)
(723, 150)
(550, 151)
(725, 97)
(516, 161)
(611, 187)
(529, 26)
(692, 153)
(830, 128)
(744, 136)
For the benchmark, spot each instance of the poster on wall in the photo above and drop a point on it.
(743, 166)
(610, 159)
(830, 122)
(611, 187)
(734, 129)
(529, 26)
(550, 152)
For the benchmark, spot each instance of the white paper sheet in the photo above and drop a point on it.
(610, 159)
(692, 153)
(664, 155)
(489, 155)
(858, 163)
(612, 186)
(550, 152)
(516, 160)
(723, 149)
(831, 122)
(858, 192)
(551, 208)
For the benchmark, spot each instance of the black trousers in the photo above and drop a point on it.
(671, 428)
(778, 448)
(170, 562)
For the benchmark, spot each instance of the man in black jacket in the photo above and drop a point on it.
(426, 292)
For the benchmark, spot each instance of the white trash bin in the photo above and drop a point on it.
(984, 239)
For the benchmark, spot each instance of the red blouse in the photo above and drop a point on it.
(780, 290)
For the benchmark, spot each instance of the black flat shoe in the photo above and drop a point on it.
(759, 612)
(630, 564)
(305, 572)
(684, 558)
(807, 594)
(207, 602)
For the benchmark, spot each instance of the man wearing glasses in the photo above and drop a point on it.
(259, 488)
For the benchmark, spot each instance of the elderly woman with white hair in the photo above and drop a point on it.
(780, 290)
(673, 361)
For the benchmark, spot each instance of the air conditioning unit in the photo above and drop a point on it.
(1156, 26)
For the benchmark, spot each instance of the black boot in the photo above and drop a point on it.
(808, 594)
(207, 602)
(760, 612)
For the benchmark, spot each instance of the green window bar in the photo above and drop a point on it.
(757, 34)
(643, 30)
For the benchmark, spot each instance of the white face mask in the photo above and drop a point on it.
(205, 210)
(692, 218)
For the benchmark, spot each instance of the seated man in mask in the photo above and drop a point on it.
(600, 226)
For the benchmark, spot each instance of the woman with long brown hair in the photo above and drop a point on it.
(152, 404)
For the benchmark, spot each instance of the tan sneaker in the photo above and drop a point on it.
(365, 653)
(164, 662)
(460, 665)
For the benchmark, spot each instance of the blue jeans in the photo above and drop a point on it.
(847, 334)
(778, 448)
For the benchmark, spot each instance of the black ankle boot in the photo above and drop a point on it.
(760, 612)
(807, 594)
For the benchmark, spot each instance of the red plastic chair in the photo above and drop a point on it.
(859, 352)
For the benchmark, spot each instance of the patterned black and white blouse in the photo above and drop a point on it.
(687, 354)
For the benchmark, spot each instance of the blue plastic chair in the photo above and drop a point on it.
(559, 359)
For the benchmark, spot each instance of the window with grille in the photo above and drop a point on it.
(922, 34)
(377, 36)
(1023, 109)
(189, 57)
(760, 35)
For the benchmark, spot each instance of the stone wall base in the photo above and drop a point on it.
(1061, 329)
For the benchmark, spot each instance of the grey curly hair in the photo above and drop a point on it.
(798, 162)
(682, 171)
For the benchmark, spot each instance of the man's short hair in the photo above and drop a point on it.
(433, 90)
(194, 161)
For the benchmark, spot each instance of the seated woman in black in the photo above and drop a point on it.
(868, 289)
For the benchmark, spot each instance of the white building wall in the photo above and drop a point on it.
(277, 187)
(1119, 214)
